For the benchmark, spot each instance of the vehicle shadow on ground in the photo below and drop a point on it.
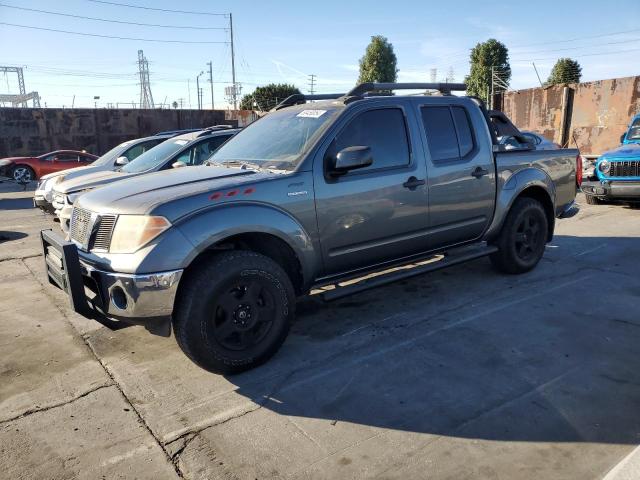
(16, 204)
(471, 353)
(10, 236)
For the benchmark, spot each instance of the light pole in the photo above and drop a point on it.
(198, 90)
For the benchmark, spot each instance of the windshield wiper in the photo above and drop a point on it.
(243, 164)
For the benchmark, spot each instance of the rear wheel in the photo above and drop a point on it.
(23, 174)
(234, 311)
(522, 240)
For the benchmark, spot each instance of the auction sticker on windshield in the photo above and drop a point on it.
(311, 113)
(181, 142)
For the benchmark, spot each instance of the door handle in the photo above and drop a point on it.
(479, 172)
(412, 183)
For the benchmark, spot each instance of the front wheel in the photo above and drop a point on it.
(234, 311)
(522, 240)
(23, 174)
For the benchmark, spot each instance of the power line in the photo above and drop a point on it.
(157, 9)
(107, 36)
(568, 40)
(579, 55)
(577, 48)
(109, 21)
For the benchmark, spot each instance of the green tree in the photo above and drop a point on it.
(565, 70)
(379, 62)
(267, 97)
(486, 57)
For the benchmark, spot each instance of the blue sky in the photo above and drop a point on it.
(284, 41)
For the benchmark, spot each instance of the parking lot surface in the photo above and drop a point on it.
(464, 373)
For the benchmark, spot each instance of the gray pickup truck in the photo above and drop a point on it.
(309, 196)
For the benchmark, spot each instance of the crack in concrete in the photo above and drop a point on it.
(106, 370)
(191, 435)
(7, 259)
(60, 404)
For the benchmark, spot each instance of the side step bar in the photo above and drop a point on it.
(451, 258)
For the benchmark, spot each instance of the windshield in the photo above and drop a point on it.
(278, 140)
(154, 157)
(634, 131)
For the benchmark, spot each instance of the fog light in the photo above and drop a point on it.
(118, 298)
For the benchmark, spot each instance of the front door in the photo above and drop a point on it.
(462, 182)
(379, 212)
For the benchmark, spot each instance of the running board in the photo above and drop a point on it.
(451, 258)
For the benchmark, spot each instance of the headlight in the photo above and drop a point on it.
(135, 231)
(604, 166)
(4, 163)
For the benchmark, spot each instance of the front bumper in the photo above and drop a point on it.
(41, 203)
(140, 299)
(618, 190)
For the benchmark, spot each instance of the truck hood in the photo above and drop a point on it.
(629, 151)
(91, 180)
(165, 192)
(76, 172)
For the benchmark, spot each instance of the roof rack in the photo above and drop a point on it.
(444, 88)
(220, 127)
(298, 98)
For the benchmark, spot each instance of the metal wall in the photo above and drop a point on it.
(33, 131)
(596, 113)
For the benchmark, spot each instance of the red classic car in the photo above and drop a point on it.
(26, 169)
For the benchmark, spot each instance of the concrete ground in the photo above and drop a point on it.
(460, 374)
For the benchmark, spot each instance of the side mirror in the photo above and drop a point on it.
(352, 158)
(622, 137)
(122, 161)
(178, 164)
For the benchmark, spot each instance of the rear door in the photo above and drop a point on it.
(379, 212)
(462, 181)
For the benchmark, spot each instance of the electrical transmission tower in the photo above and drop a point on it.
(451, 75)
(312, 84)
(146, 98)
(22, 97)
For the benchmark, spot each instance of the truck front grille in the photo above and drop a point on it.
(81, 225)
(625, 169)
(91, 233)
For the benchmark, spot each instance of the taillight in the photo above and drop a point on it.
(579, 170)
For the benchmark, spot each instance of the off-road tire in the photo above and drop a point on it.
(199, 309)
(520, 248)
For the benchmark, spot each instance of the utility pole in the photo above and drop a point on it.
(537, 74)
(312, 84)
(492, 90)
(198, 90)
(233, 65)
(210, 63)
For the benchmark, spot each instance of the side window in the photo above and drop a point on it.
(463, 126)
(133, 152)
(448, 131)
(68, 157)
(382, 130)
(441, 133)
(205, 149)
(185, 157)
